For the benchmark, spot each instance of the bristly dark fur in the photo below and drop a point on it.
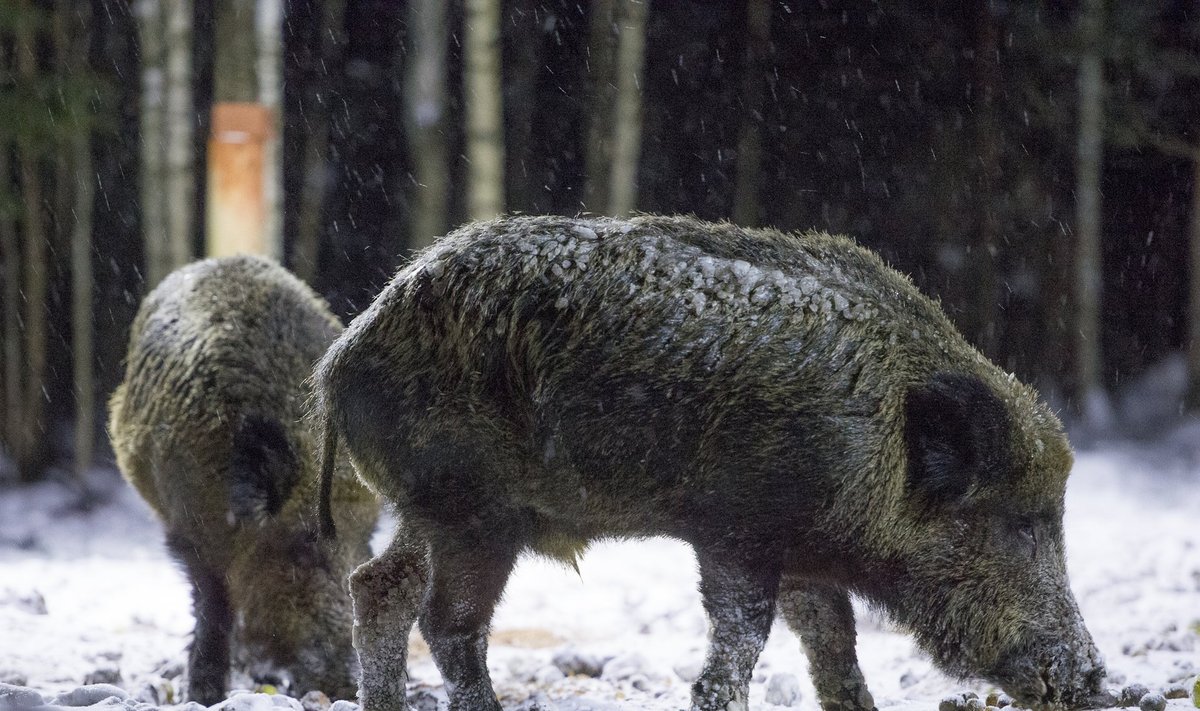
(209, 425)
(263, 468)
(785, 403)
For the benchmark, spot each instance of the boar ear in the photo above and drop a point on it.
(957, 432)
(263, 468)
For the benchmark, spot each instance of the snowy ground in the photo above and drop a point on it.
(91, 594)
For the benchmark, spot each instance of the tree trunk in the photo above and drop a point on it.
(235, 54)
(81, 306)
(31, 453)
(485, 133)
(1096, 409)
(987, 76)
(179, 187)
(746, 204)
(317, 107)
(14, 392)
(602, 46)
(627, 124)
(1193, 351)
(269, 33)
(155, 233)
(425, 114)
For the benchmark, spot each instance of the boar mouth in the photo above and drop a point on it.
(1054, 678)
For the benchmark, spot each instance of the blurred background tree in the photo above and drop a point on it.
(1035, 165)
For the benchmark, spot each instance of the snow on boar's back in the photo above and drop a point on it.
(209, 426)
(787, 404)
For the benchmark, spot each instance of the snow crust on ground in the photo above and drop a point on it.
(80, 592)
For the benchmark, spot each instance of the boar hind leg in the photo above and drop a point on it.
(466, 581)
(387, 593)
(208, 659)
(821, 615)
(740, 602)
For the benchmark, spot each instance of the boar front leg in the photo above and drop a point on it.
(467, 578)
(740, 602)
(821, 615)
(387, 593)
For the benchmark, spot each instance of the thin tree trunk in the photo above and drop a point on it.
(746, 204)
(75, 187)
(987, 76)
(307, 245)
(82, 336)
(1193, 351)
(155, 234)
(31, 451)
(425, 113)
(602, 47)
(269, 33)
(485, 133)
(14, 394)
(1088, 267)
(627, 125)
(179, 188)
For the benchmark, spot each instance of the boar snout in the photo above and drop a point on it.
(1054, 674)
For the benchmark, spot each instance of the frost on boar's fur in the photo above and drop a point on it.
(209, 426)
(787, 404)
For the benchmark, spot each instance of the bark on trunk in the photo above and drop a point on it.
(627, 125)
(31, 451)
(425, 115)
(987, 76)
(1088, 267)
(151, 33)
(602, 47)
(14, 391)
(1193, 351)
(747, 207)
(307, 245)
(485, 134)
(269, 34)
(178, 117)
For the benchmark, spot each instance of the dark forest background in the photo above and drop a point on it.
(956, 138)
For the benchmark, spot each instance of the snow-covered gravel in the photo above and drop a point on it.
(92, 597)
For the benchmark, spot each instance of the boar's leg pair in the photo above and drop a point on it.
(821, 616)
(452, 587)
(208, 658)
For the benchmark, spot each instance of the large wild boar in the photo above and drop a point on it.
(209, 426)
(787, 404)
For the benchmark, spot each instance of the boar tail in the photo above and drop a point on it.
(324, 512)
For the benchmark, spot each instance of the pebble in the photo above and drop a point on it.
(975, 704)
(155, 690)
(13, 677)
(1152, 702)
(315, 701)
(89, 695)
(783, 690)
(17, 696)
(104, 675)
(424, 699)
(624, 667)
(1004, 700)
(1132, 694)
(953, 702)
(1175, 691)
(1106, 699)
(344, 705)
(572, 661)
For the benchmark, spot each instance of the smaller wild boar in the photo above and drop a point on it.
(787, 404)
(209, 426)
